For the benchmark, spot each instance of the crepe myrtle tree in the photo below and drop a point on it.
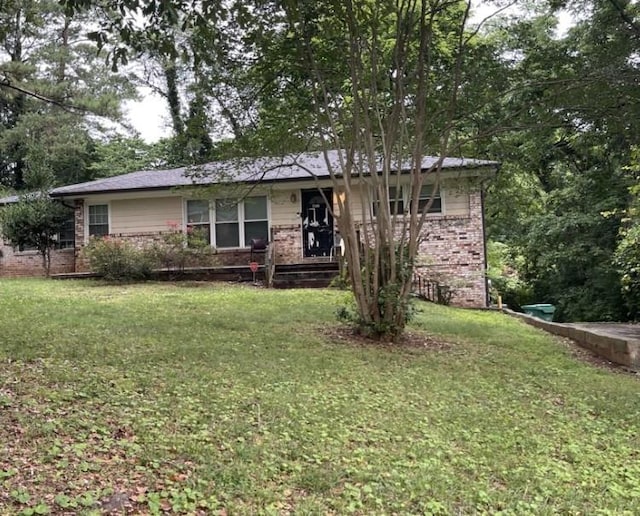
(34, 222)
(391, 99)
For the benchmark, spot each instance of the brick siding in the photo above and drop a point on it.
(29, 263)
(452, 252)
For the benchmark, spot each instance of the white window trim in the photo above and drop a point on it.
(405, 189)
(86, 218)
(442, 211)
(241, 221)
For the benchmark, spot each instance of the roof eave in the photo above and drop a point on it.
(476, 169)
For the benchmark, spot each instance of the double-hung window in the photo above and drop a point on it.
(98, 220)
(396, 202)
(67, 234)
(238, 222)
(399, 198)
(227, 223)
(256, 222)
(198, 221)
(427, 193)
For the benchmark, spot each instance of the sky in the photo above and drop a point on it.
(150, 115)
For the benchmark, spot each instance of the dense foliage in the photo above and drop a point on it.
(56, 92)
(563, 189)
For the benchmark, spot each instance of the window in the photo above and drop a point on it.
(99, 220)
(227, 223)
(399, 198)
(67, 234)
(235, 223)
(426, 193)
(256, 223)
(396, 202)
(198, 219)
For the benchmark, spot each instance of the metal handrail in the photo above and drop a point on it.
(431, 290)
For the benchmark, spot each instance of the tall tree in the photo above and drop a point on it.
(575, 99)
(54, 90)
(387, 82)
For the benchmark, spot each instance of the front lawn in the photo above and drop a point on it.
(221, 399)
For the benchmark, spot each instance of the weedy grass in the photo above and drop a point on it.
(226, 399)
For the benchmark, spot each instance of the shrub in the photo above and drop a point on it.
(627, 259)
(179, 249)
(118, 260)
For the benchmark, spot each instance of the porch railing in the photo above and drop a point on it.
(270, 264)
(431, 290)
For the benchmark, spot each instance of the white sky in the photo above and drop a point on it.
(150, 115)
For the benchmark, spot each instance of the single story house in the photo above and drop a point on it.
(280, 203)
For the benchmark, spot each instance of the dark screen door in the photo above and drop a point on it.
(317, 223)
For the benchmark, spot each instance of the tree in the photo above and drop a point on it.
(573, 104)
(54, 91)
(123, 155)
(34, 222)
(627, 252)
(394, 95)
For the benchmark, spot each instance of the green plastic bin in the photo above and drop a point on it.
(541, 311)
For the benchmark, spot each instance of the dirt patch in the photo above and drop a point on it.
(589, 357)
(408, 341)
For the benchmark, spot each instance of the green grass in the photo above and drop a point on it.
(223, 399)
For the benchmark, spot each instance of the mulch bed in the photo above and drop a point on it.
(409, 340)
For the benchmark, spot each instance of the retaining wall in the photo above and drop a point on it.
(625, 352)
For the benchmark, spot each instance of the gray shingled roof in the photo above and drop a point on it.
(286, 168)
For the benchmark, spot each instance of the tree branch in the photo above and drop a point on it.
(6, 83)
(633, 25)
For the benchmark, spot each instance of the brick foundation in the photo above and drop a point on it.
(288, 243)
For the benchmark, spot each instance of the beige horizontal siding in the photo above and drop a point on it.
(145, 215)
(455, 201)
(284, 212)
(153, 214)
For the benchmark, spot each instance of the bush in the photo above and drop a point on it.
(627, 260)
(118, 260)
(179, 249)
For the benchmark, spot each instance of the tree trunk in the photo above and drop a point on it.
(173, 95)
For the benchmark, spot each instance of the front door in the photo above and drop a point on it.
(317, 223)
